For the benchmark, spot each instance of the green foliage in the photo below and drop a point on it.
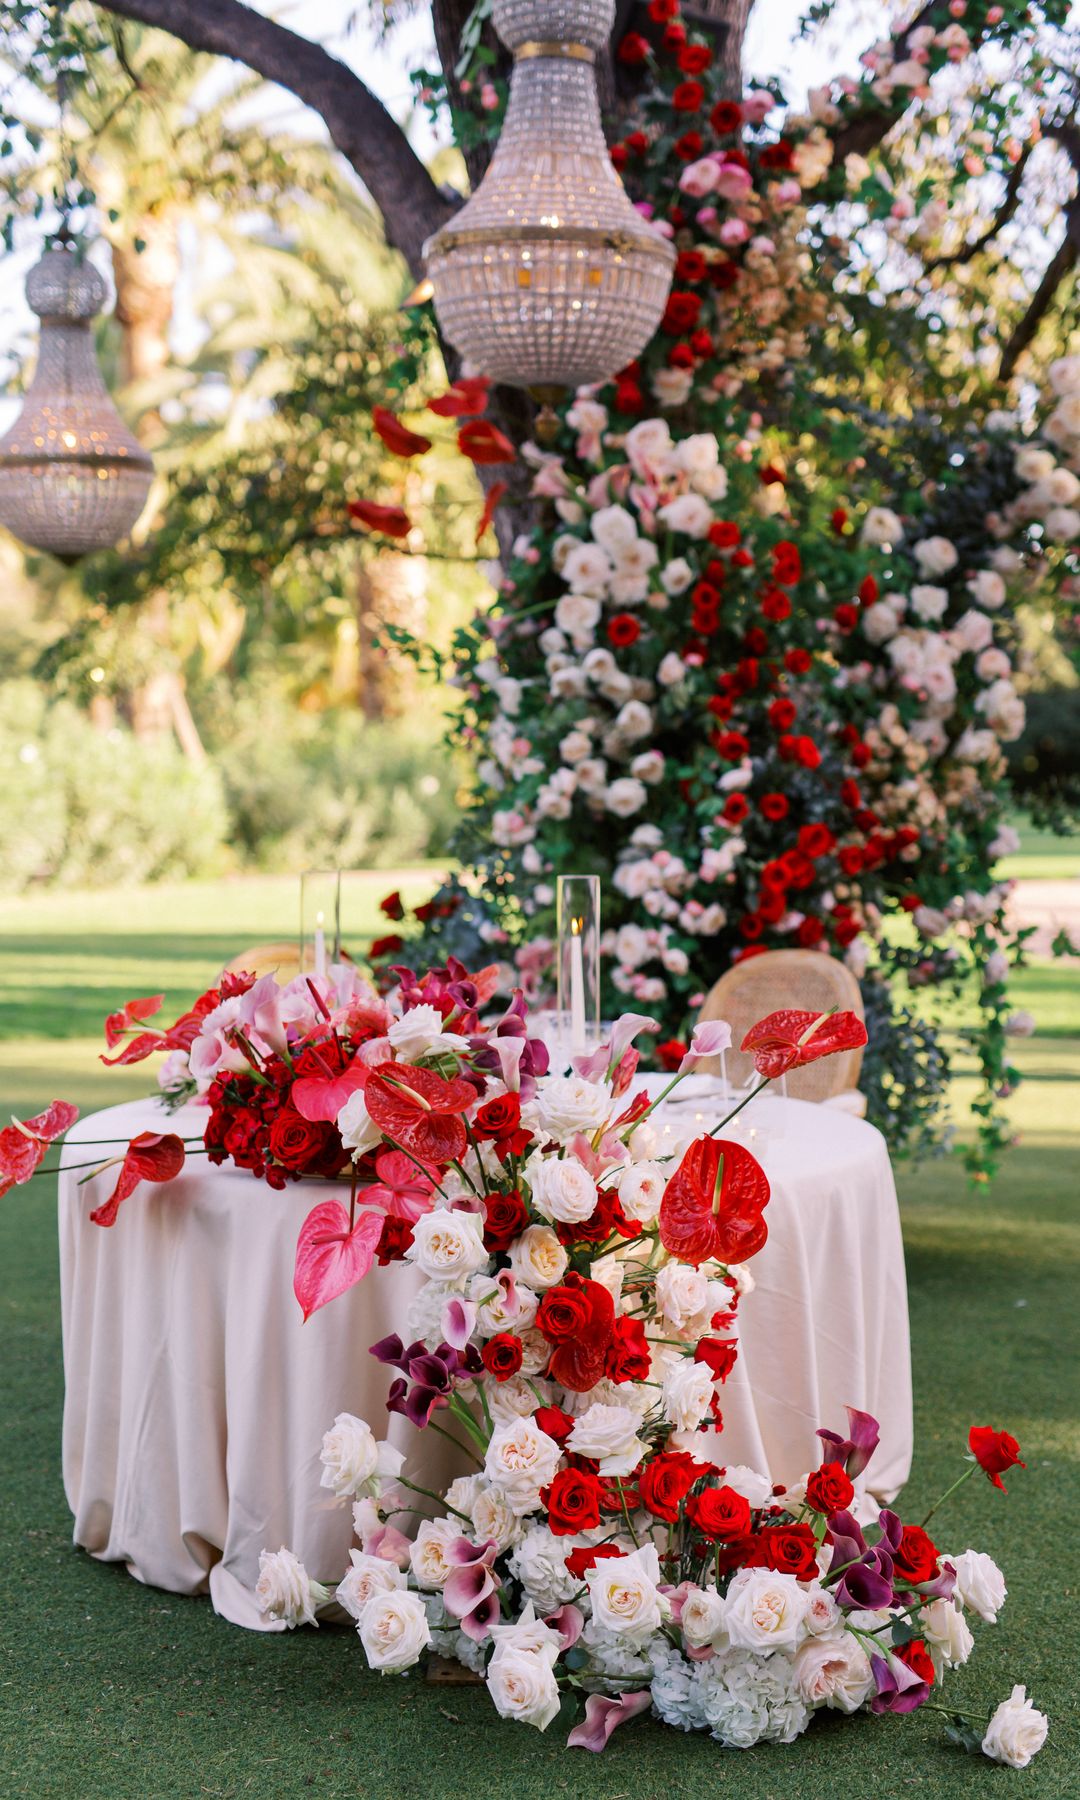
(905, 1073)
(1044, 764)
(330, 789)
(78, 805)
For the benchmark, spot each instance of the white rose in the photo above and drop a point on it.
(351, 1458)
(929, 602)
(609, 1434)
(624, 1596)
(648, 444)
(625, 796)
(358, 1130)
(822, 1612)
(561, 1188)
(448, 1246)
(539, 1563)
(689, 514)
(987, 588)
(492, 1517)
(614, 529)
(521, 1459)
(286, 1591)
(675, 578)
(980, 1585)
(972, 631)
(681, 1292)
(935, 555)
(394, 1630)
(1016, 1732)
(587, 570)
(880, 622)
(698, 452)
(688, 1389)
(833, 1671)
(495, 1311)
(427, 1553)
(538, 1257)
(522, 1686)
(764, 1611)
(368, 1575)
(578, 615)
(881, 526)
(567, 1104)
(702, 1619)
(947, 1635)
(1033, 464)
(640, 1188)
(419, 1032)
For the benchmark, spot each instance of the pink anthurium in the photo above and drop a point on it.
(322, 1097)
(24, 1142)
(131, 1013)
(152, 1156)
(602, 1716)
(403, 1190)
(331, 1256)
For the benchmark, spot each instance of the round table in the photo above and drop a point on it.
(195, 1397)
(827, 1323)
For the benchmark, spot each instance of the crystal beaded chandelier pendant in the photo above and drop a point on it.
(72, 477)
(548, 278)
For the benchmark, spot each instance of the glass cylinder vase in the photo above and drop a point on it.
(577, 899)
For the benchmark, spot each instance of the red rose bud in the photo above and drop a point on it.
(994, 1451)
(554, 1423)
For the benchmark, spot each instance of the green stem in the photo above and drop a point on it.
(415, 1488)
(752, 1095)
(464, 1417)
(458, 1445)
(959, 1482)
(626, 1512)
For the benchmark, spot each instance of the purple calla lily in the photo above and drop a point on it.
(854, 1451)
(899, 1689)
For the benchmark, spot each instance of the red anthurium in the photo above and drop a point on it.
(420, 1110)
(712, 1205)
(323, 1096)
(396, 436)
(483, 442)
(790, 1039)
(392, 521)
(24, 1142)
(494, 495)
(152, 1156)
(468, 395)
(133, 1012)
(137, 1050)
(331, 1258)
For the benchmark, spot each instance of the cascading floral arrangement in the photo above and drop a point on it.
(572, 1334)
(760, 651)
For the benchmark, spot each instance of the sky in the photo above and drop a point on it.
(343, 26)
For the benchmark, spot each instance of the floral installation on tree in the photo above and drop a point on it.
(761, 650)
(572, 1336)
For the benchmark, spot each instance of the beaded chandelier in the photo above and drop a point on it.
(72, 477)
(548, 277)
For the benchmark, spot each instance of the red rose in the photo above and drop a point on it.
(774, 807)
(789, 1549)
(787, 563)
(634, 50)
(838, 520)
(628, 1352)
(807, 753)
(916, 1560)
(499, 1117)
(688, 96)
(726, 116)
(846, 616)
(666, 1481)
(688, 148)
(628, 398)
(724, 534)
(681, 313)
(736, 808)
(620, 156)
(577, 1361)
(916, 1657)
(751, 927)
(849, 792)
(296, 1142)
(562, 1314)
(797, 662)
(505, 1217)
(694, 59)
(828, 1489)
(850, 859)
(386, 946)
(392, 906)
(623, 630)
(731, 745)
(778, 155)
(816, 840)
(690, 265)
(394, 1240)
(782, 714)
(776, 606)
(501, 1355)
(554, 1423)
(573, 1502)
(670, 1053)
(719, 1513)
(580, 1561)
(720, 1354)
(637, 142)
(994, 1451)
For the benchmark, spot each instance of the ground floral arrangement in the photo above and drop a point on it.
(572, 1336)
(760, 646)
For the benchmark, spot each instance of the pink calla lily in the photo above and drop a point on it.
(603, 1716)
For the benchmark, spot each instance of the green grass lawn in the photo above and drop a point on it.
(112, 1691)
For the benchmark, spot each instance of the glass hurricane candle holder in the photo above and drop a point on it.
(320, 919)
(577, 902)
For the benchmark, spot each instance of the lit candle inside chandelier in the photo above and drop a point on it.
(72, 477)
(548, 277)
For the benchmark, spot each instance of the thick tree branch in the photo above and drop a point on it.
(359, 125)
(1041, 301)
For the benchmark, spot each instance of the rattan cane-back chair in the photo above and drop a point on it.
(281, 959)
(772, 982)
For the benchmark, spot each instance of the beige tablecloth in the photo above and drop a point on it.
(196, 1398)
(827, 1323)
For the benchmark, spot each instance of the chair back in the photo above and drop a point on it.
(772, 982)
(281, 959)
